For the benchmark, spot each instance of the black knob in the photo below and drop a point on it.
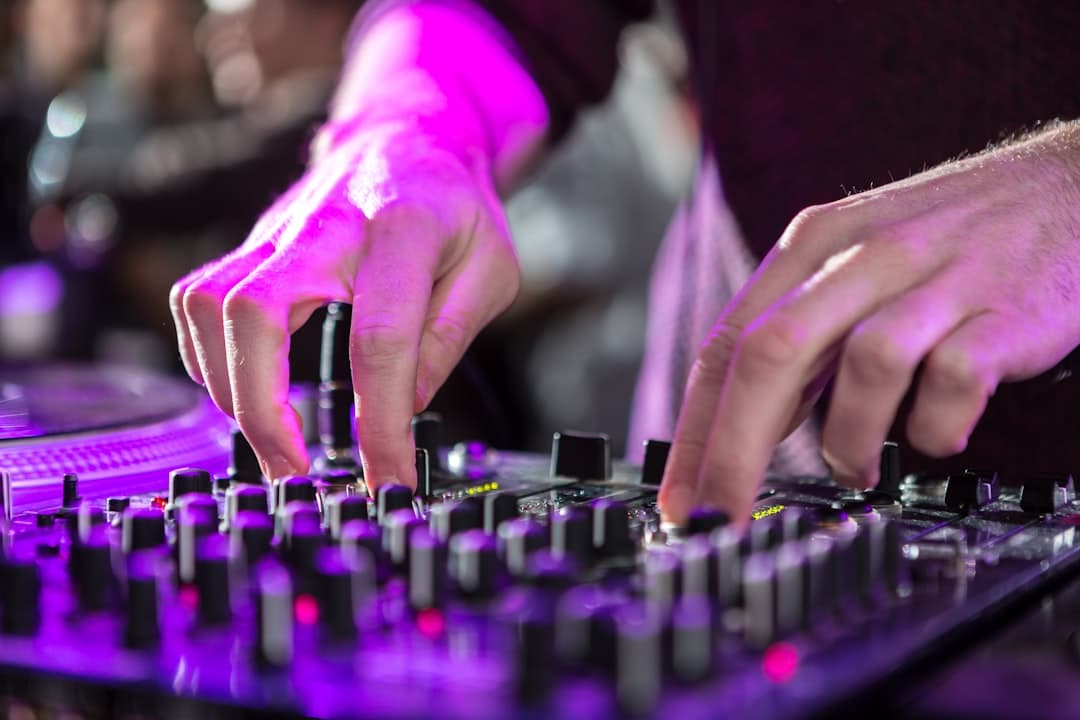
(971, 490)
(142, 628)
(584, 628)
(427, 430)
(611, 529)
(340, 508)
(474, 565)
(296, 488)
(663, 578)
(423, 473)
(638, 666)
(142, 529)
(117, 504)
(298, 512)
(185, 481)
(759, 600)
(655, 460)
(335, 420)
(337, 609)
(498, 507)
(692, 648)
(790, 586)
(796, 524)
(240, 498)
(764, 534)
(194, 522)
(334, 364)
(704, 520)
(91, 570)
(427, 570)
(243, 463)
(391, 498)
(550, 573)
(87, 517)
(250, 535)
(273, 616)
(534, 655)
(517, 539)
(449, 518)
(889, 475)
(212, 580)
(70, 490)
(572, 534)
(301, 546)
(364, 538)
(822, 591)
(397, 534)
(583, 456)
(21, 596)
(1047, 493)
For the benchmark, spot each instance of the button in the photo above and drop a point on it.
(796, 523)
(971, 490)
(427, 570)
(516, 540)
(449, 518)
(582, 456)
(142, 628)
(655, 460)
(764, 534)
(21, 596)
(296, 513)
(499, 507)
(340, 509)
(240, 498)
(1047, 493)
(889, 475)
(212, 580)
(474, 565)
(611, 529)
(273, 616)
(391, 498)
(299, 549)
(45, 520)
(188, 480)
(142, 529)
(584, 628)
(551, 573)
(821, 589)
(571, 534)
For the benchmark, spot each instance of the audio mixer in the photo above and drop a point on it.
(149, 571)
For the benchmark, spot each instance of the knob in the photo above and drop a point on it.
(87, 517)
(188, 480)
(692, 652)
(212, 580)
(550, 573)
(273, 616)
(296, 488)
(397, 532)
(534, 655)
(364, 538)
(91, 570)
(21, 596)
(335, 594)
(638, 664)
(764, 534)
(889, 475)
(571, 534)
(700, 567)
(294, 514)
(655, 460)
(391, 498)
(582, 456)
(301, 546)
(584, 628)
(449, 518)
(611, 529)
(704, 520)
(822, 592)
(70, 490)
(427, 570)
(243, 463)
(663, 584)
(759, 600)
(474, 564)
(427, 429)
(517, 539)
(1047, 493)
(334, 363)
(142, 628)
(971, 490)
(142, 529)
(423, 473)
(796, 524)
(117, 505)
(498, 507)
(240, 498)
(250, 535)
(194, 522)
(340, 508)
(790, 585)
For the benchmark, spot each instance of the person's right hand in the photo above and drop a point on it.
(408, 231)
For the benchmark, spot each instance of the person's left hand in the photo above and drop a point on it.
(971, 269)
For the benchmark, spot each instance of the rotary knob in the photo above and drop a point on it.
(474, 564)
(142, 529)
(185, 481)
(391, 498)
(340, 509)
(450, 518)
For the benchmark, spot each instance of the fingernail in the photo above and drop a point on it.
(675, 504)
(278, 467)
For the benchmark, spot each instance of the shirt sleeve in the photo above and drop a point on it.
(569, 47)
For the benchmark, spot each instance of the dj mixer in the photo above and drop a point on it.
(148, 570)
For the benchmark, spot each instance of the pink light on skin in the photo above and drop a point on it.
(430, 623)
(306, 610)
(780, 662)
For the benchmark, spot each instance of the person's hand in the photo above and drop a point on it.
(389, 220)
(972, 270)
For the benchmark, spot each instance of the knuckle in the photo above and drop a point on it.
(934, 440)
(241, 303)
(956, 370)
(718, 348)
(200, 300)
(808, 223)
(451, 333)
(379, 344)
(773, 344)
(877, 358)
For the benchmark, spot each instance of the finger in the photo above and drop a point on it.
(260, 313)
(392, 293)
(184, 341)
(462, 303)
(202, 306)
(811, 238)
(958, 378)
(877, 365)
(777, 354)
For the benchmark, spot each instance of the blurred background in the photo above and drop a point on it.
(141, 138)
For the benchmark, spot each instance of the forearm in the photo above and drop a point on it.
(445, 69)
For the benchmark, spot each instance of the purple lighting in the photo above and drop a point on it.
(29, 289)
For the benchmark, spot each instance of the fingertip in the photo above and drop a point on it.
(675, 502)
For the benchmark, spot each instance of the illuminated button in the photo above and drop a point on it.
(472, 460)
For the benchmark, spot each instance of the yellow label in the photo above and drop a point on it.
(767, 511)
